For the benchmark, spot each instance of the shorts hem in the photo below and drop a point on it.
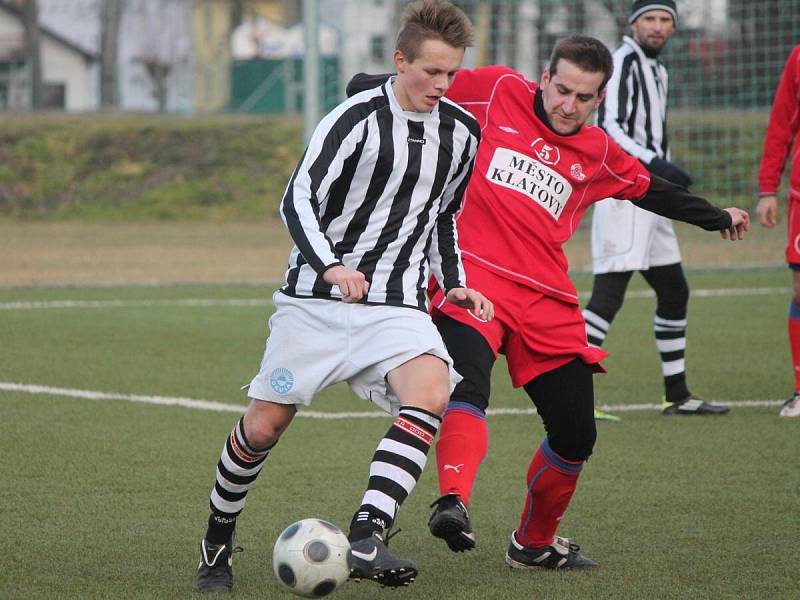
(593, 359)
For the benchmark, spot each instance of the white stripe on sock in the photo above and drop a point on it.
(596, 320)
(405, 450)
(673, 367)
(381, 501)
(671, 345)
(396, 474)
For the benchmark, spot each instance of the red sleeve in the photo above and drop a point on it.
(783, 126)
(626, 176)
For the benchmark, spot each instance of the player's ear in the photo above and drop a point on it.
(400, 61)
(545, 77)
(600, 97)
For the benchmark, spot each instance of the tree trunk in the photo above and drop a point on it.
(34, 54)
(110, 18)
(237, 13)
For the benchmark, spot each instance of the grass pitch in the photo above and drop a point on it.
(108, 498)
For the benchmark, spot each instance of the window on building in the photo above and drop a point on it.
(54, 95)
(377, 44)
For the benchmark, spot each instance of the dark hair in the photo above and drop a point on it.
(587, 53)
(433, 20)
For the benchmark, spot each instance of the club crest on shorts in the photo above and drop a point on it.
(281, 380)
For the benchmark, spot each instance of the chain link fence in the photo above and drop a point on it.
(724, 63)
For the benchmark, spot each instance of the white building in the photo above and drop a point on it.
(69, 72)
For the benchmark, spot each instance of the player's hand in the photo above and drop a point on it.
(767, 211)
(740, 222)
(478, 304)
(352, 284)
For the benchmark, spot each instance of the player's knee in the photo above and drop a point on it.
(472, 392)
(796, 288)
(433, 400)
(264, 425)
(606, 300)
(672, 299)
(575, 443)
(564, 398)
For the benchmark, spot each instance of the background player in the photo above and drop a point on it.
(782, 135)
(537, 170)
(371, 203)
(627, 239)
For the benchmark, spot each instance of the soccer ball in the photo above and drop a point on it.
(311, 558)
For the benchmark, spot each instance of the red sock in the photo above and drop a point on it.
(794, 341)
(462, 445)
(551, 483)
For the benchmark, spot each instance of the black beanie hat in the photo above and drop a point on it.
(642, 6)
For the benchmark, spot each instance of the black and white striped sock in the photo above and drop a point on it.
(596, 327)
(671, 343)
(396, 467)
(237, 469)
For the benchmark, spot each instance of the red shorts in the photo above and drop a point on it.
(793, 242)
(537, 333)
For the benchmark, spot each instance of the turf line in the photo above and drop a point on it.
(235, 408)
(207, 302)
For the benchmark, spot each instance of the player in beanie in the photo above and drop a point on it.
(639, 7)
(626, 239)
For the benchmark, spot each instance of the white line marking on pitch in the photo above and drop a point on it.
(215, 302)
(191, 302)
(235, 408)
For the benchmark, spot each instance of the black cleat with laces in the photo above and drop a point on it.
(215, 571)
(371, 559)
(561, 554)
(692, 405)
(450, 522)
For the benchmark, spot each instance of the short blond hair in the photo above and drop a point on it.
(433, 20)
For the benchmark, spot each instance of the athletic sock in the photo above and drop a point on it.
(596, 327)
(461, 448)
(671, 343)
(396, 467)
(794, 341)
(237, 469)
(551, 482)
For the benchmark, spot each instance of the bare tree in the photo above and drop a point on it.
(161, 51)
(30, 15)
(110, 18)
(237, 13)
(158, 70)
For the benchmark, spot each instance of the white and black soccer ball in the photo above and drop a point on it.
(312, 558)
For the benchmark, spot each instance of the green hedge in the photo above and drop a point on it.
(236, 167)
(145, 167)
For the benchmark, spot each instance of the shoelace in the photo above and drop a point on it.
(389, 533)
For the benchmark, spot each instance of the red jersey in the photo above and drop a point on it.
(782, 131)
(530, 186)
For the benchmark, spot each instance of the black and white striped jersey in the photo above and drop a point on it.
(634, 111)
(377, 190)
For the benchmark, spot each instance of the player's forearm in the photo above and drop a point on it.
(674, 202)
(447, 266)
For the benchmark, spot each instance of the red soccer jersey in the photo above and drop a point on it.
(782, 131)
(530, 186)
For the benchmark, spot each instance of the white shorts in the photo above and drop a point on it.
(315, 343)
(628, 238)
